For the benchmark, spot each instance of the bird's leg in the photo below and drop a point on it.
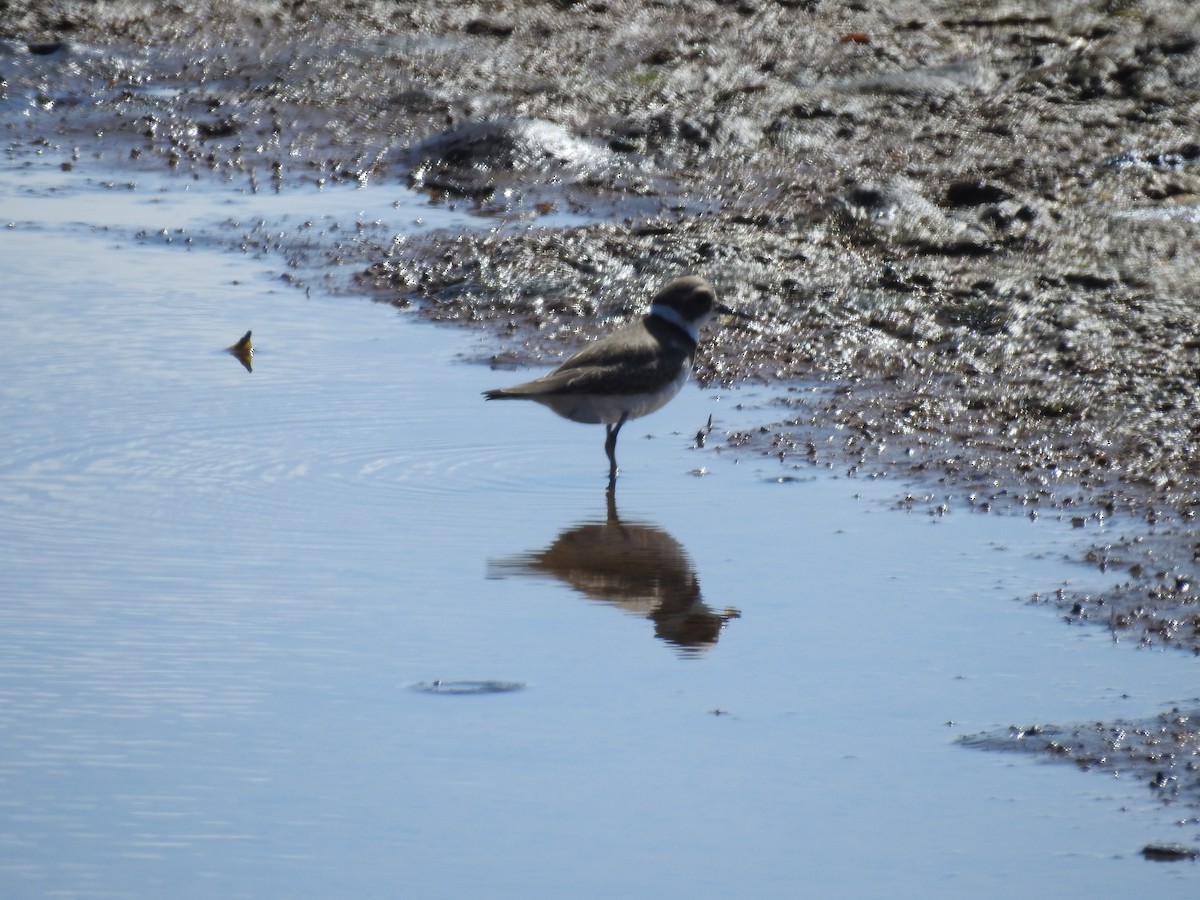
(610, 446)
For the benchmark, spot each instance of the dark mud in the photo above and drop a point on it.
(974, 224)
(1161, 752)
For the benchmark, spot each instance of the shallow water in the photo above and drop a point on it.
(332, 629)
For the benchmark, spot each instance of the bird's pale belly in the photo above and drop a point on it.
(606, 409)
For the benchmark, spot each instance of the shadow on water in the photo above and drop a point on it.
(467, 688)
(635, 566)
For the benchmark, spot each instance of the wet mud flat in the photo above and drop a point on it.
(1160, 752)
(977, 224)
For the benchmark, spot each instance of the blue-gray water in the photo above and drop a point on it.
(221, 591)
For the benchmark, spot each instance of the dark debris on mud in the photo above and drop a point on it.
(1161, 752)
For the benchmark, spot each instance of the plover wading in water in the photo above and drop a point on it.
(629, 373)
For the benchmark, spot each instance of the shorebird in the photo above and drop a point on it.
(631, 372)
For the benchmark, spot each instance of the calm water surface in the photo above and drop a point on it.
(250, 623)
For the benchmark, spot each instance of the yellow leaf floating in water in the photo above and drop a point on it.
(244, 351)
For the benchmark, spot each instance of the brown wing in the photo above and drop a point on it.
(614, 366)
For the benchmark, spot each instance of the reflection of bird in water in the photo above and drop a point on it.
(637, 567)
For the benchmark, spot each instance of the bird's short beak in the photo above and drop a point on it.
(732, 313)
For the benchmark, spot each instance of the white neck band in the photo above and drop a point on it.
(672, 315)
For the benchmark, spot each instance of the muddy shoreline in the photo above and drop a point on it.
(977, 224)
